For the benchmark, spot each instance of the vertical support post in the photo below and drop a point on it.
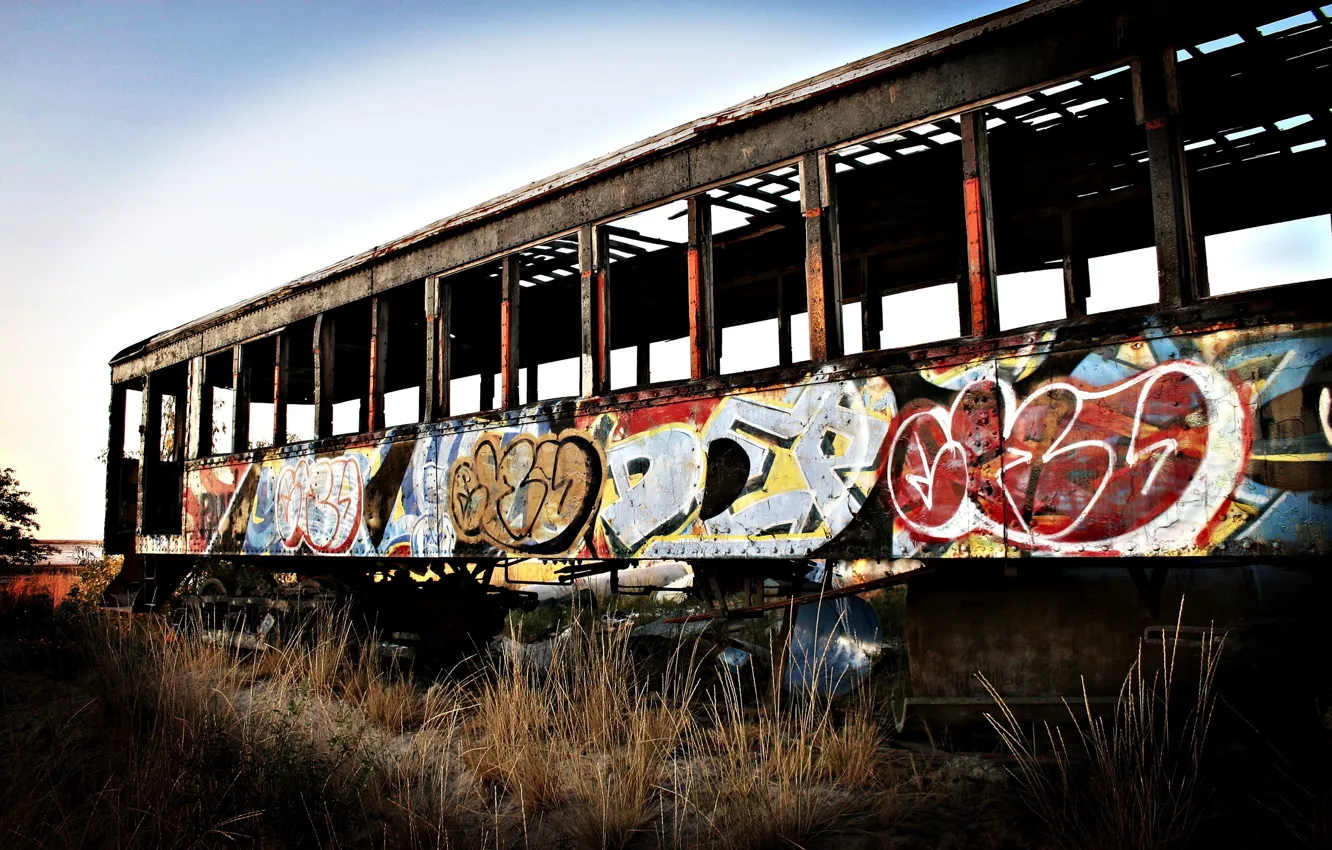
(240, 407)
(435, 402)
(150, 447)
(1180, 269)
(642, 365)
(702, 311)
(200, 440)
(509, 330)
(324, 338)
(823, 272)
(115, 457)
(981, 316)
(379, 342)
(594, 267)
(1077, 275)
(871, 309)
(281, 368)
(783, 323)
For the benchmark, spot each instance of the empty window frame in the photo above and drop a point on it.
(257, 358)
(299, 380)
(649, 296)
(400, 348)
(219, 395)
(758, 257)
(472, 299)
(350, 326)
(163, 452)
(1255, 124)
(549, 320)
(903, 236)
(1073, 228)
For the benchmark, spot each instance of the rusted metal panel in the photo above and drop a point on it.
(324, 335)
(1196, 439)
(921, 80)
(702, 307)
(509, 330)
(823, 272)
(438, 313)
(1155, 89)
(594, 295)
(240, 399)
(150, 443)
(379, 342)
(281, 373)
(982, 314)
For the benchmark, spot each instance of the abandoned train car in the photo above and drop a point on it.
(1034, 301)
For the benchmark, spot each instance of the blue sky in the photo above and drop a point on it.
(159, 161)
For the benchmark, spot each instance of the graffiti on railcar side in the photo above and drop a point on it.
(1214, 443)
(530, 495)
(320, 503)
(1138, 467)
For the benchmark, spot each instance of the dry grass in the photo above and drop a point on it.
(1133, 780)
(165, 740)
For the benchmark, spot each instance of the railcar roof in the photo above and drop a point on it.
(676, 137)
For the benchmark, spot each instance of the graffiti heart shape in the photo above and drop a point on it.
(1138, 467)
(533, 495)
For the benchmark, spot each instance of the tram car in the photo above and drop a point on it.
(1031, 306)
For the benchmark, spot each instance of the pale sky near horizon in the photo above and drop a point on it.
(160, 161)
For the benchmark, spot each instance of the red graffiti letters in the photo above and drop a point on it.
(319, 502)
(1138, 467)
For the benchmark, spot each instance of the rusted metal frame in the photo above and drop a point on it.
(379, 343)
(594, 294)
(794, 601)
(200, 410)
(784, 353)
(150, 445)
(438, 302)
(115, 458)
(704, 350)
(324, 338)
(693, 157)
(871, 309)
(823, 272)
(1180, 265)
(509, 330)
(1077, 274)
(281, 372)
(980, 316)
(240, 400)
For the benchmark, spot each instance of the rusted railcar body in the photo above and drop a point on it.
(1163, 443)
(1049, 139)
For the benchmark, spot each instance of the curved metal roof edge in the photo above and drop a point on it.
(678, 136)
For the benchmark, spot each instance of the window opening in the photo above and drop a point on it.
(758, 257)
(649, 301)
(1255, 125)
(220, 397)
(402, 343)
(133, 444)
(164, 451)
(300, 381)
(1073, 227)
(257, 358)
(550, 320)
(473, 297)
(902, 229)
(351, 367)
